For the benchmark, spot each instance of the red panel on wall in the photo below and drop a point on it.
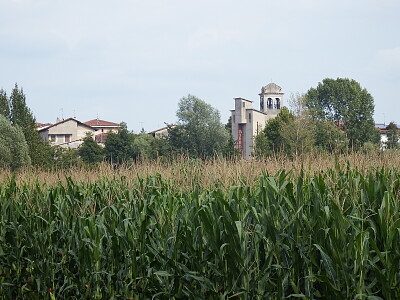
(240, 138)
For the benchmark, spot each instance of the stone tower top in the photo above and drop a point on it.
(271, 88)
(271, 99)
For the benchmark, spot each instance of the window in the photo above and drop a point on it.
(249, 116)
(243, 104)
(277, 103)
(67, 138)
(269, 103)
(52, 138)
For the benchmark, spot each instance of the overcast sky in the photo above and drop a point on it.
(129, 60)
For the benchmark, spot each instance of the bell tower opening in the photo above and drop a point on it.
(271, 99)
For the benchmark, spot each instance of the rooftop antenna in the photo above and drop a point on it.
(384, 123)
(62, 113)
(74, 114)
(97, 116)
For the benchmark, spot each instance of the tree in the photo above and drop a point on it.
(392, 136)
(200, 132)
(90, 152)
(118, 145)
(298, 133)
(4, 105)
(65, 157)
(329, 137)
(344, 102)
(298, 136)
(13, 147)
(17, 112)
(270, 140)
(141, 146)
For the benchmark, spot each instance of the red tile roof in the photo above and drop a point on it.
(99, 123)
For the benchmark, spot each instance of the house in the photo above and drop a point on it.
(162, 132)
(66, 133)
(102, 126)
(247, 122)
(384, 130)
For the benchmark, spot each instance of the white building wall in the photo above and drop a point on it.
(251, 120)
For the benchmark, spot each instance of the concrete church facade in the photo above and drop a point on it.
(247, 122)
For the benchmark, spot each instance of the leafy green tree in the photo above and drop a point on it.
(160, 147)
(4, 104)
(230, 151)
(65, 157)
(344, 102)
(329, 137)
(15, 109)
(90, 151)
(270, 140)
(13, 147)
(200, 132)
(118, 146)
(392, 136)
(142, 146)
(298, 136)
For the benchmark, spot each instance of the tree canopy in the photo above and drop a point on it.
(90, 151)
(200, 132)
(13, 147)
(346, 103)
(14, 108)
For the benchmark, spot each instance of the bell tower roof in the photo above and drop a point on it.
(271, 88)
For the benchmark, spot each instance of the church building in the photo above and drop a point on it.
(247, 122)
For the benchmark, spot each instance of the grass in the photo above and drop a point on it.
(310, 228)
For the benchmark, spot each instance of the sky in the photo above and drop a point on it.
(131, 61)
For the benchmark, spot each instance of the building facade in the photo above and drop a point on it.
(247, 122)
(67, 133)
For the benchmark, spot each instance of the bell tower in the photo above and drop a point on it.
(271, 99)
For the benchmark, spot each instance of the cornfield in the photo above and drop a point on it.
(293, 233)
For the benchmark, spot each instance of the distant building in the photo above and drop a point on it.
(70, 132)
(162, 132)
(247, 122)
(383, 130)
(102, 126)
(67, 133)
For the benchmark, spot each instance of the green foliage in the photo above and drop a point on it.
(118, 146)
(392, 136)
(15, 109)
(200, 133)
(298, 136)
(13, 147)
(329, 235)
(65, 158)
(344, 101)
(271, 139)
(142, 146)
(4, 105)
(90, 151)
(329, 137)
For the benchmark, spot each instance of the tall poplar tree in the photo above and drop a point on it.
(13, 147)
(4, 105)
(15, 109)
